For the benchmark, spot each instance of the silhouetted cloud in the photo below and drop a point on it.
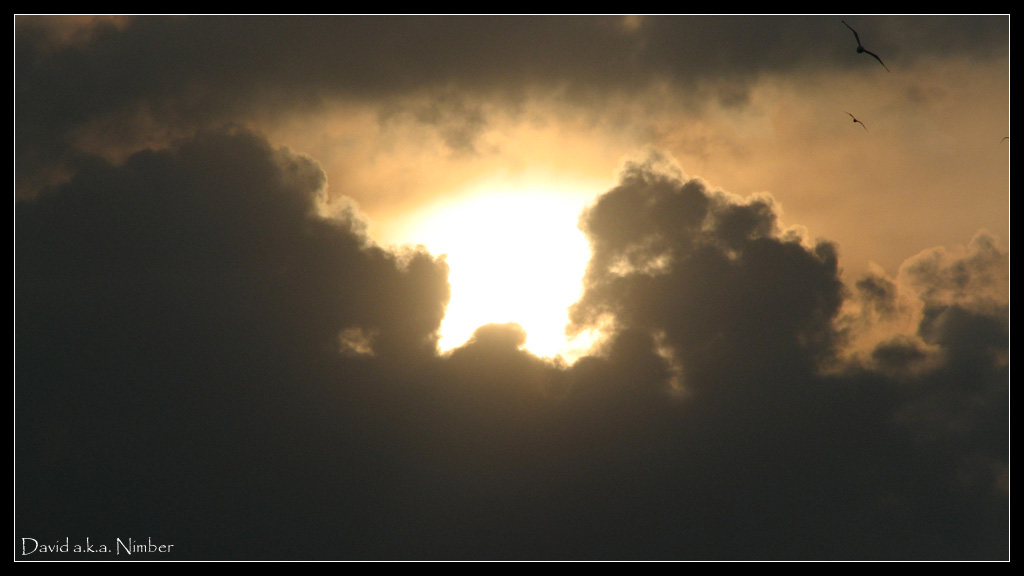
(203, 359)
(713, 274)
(172, 314)
(749, 316)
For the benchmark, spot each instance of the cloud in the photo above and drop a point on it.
(204, 358)
(104, 85)
(172, 312)
(714, 274)
(219, 214)
(975, 276)
(964, 326)
(752, 315)
(925, 306)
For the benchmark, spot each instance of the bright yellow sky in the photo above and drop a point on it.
(514, 257)
(931, 170)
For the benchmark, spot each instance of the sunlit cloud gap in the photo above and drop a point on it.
(514, 256)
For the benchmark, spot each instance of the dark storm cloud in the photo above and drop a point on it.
(136, 78)
(750, 315)
(172, 313)
(965, 321)
(713, 274)
(219, 214)
(204, 360)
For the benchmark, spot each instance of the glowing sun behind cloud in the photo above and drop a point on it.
(514, 256)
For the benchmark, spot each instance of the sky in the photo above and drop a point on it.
(512, 287)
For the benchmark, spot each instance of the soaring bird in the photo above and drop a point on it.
(855, 121)
(862, 49)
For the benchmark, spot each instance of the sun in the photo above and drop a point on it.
(514, 256)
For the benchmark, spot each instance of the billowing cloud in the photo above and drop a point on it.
(171, 314)
(751, 317)
(227, 222)
(714, 274)
(204, 359)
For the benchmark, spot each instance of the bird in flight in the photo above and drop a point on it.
(855, 121)
(862, 49)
